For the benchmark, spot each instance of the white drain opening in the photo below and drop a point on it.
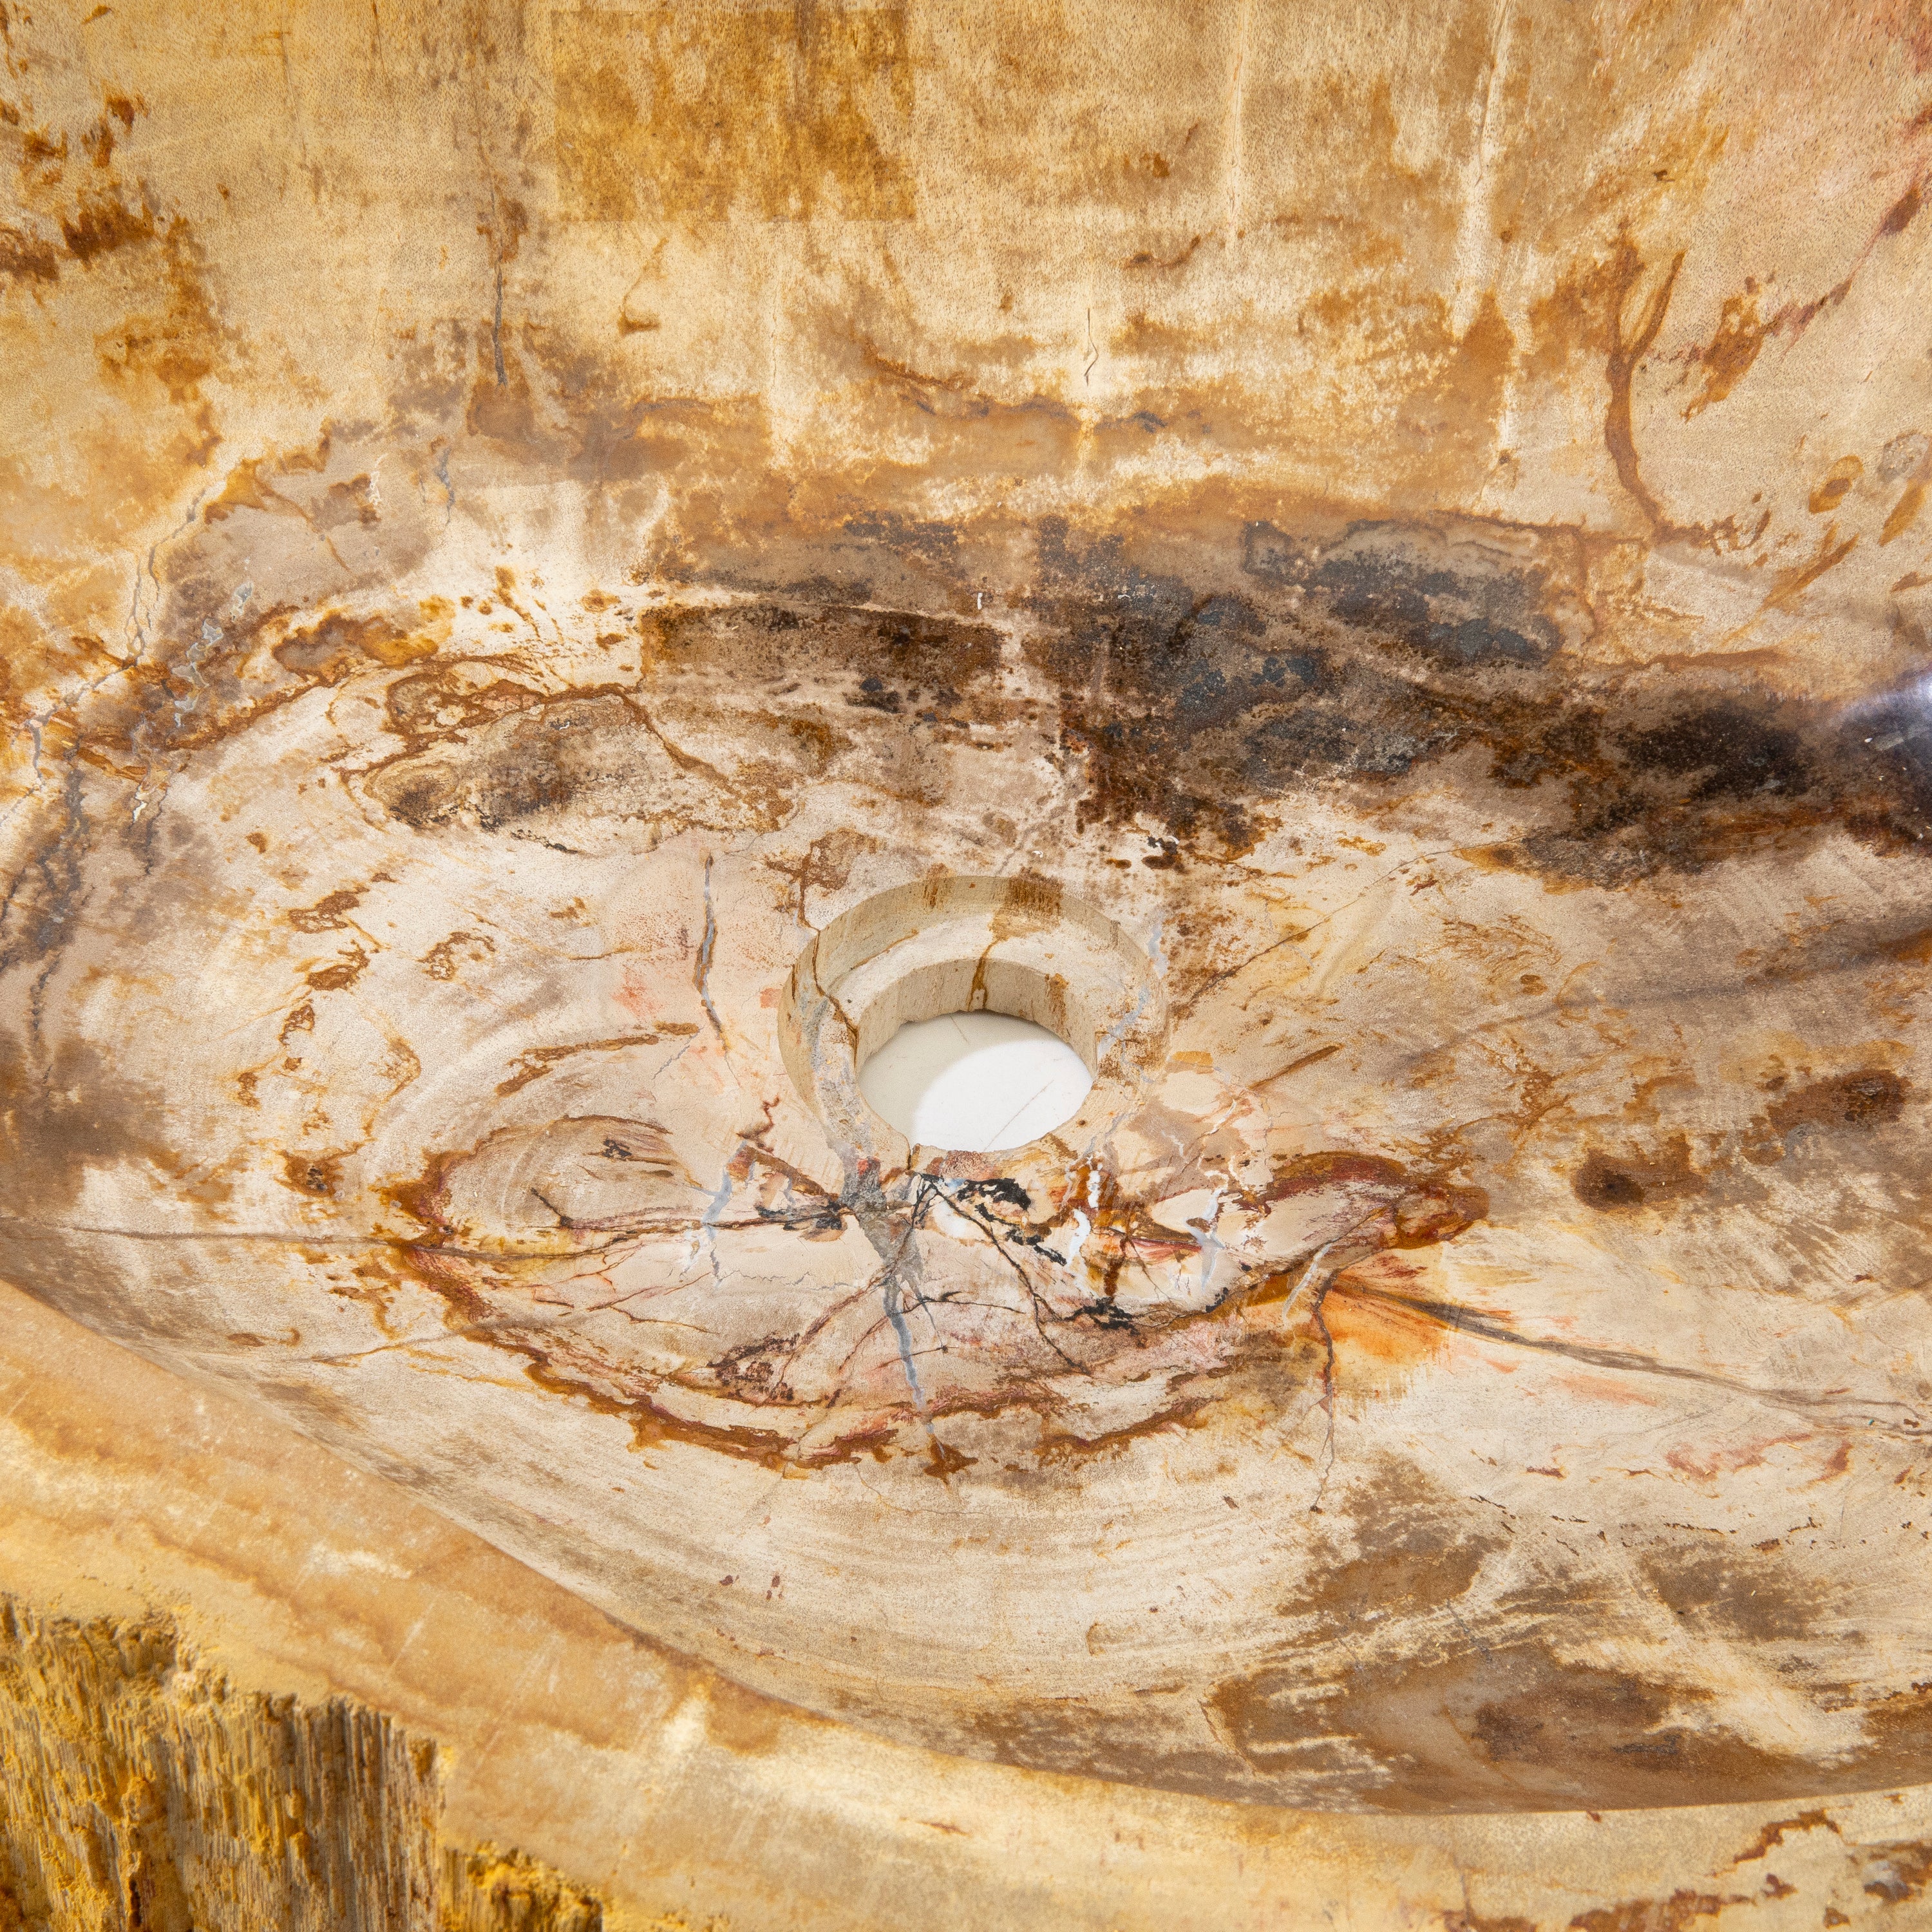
(976, 1083)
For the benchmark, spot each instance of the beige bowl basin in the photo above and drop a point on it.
(565, 571)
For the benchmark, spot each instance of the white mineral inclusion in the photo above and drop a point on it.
(975, 1082)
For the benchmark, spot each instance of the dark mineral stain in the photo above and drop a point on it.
(316, 1175)
(1680, 1911)
(1727, 358)
(1122, 1747)
(506, 755)
(327, 913)
(1358, 658)
(40, 906)
(1405, 583)
(1836, 482)
(1903, 513)
(1601, 1183)
(343, 974)
(776, 114)
(1415, 1552)
(1772, 1835)
(921, 655)
(247, 488)
(444, 958)
(57, 1123)
(99, 227)
(25, 256)
(1872, 1097)
(195, 693)
(1507, 1725)
(1903, 212)
(908, 660)
(353, 502)
(742, 1721)
(1625, 351)
(599, 754)
(1720, 751)
(1738, 1595)
(1898, 1872)
(1898, 1731)
(935, 544)
(535, 1062)
(335, 647)
(1608, 1183)
(1193, 684)
(1708, 781)
(1425, 1210)
(452, 697)
(1189, 705)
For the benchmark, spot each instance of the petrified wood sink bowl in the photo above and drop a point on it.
(569, 570)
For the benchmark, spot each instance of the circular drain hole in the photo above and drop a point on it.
(975, 1082)
(960, 1015)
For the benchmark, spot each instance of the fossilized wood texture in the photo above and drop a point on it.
(1398, 531)
(139, 1793)
(142, 1793)
(318, 1596)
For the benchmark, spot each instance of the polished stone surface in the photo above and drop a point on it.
(230, 1577)
(1375, 556)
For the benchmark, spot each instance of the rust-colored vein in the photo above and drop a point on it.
(1727, 358)
(1904, 512)
(1296, 1066)
(539, 1059)
(1624, 356)
(1829, 556)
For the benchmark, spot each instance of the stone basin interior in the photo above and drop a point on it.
(566, 570)
(975, 1082)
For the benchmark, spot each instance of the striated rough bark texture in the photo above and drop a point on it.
(564, 568)
(142, 1794)
(491, 1890)
(139, 1793)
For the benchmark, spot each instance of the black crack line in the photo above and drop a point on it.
(703, 978)
(522, 1329)
(1317, 1315)
(1486, 1328)
(809, 1334)
(525, 1325)
(402, 1243)
(984, 1225)
(1319, 1318)
(865, 1200)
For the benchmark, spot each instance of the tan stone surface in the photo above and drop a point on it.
(673, 1799)
(1367, 561)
